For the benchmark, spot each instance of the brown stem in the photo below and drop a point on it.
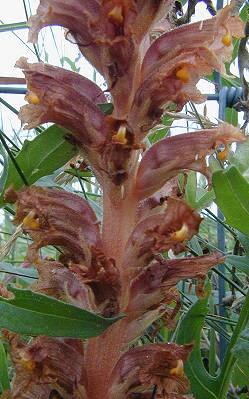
(118, 222)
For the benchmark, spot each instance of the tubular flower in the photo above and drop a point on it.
(108, 32)
(116, 265)
(176, 61)
(159, 364)
(161, 232)
(45, 214)
(47, 365)
(178, 153)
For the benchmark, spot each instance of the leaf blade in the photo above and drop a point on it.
(37, 314)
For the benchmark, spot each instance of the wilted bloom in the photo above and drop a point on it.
(117, 265)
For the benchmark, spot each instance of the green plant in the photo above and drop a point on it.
(121, 271)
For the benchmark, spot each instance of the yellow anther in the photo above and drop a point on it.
(182, 234)
(183, 74)
(178, 370)
(116, 14)
(222, 155)
(28, 364)
(120, 137)
(32, 98)
(227, 40)
(29, 222)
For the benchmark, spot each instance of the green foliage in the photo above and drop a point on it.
(40, 157)
(203, 385)
(241, 349)
(241, 263)
(4, 377)
(232, 193)
(35, 314)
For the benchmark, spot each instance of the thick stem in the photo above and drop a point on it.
(118, 222)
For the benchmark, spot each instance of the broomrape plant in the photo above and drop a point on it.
(116, 267)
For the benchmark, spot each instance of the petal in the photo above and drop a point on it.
(63, 97)
(178, 153)
(177, 60)
(152, 285)
(160, 232)
(108, 34)
(156, 203)
(148, 365)
(58, 281)
(45, 214)
(47, 365)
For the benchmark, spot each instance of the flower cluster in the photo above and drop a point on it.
(116, 265)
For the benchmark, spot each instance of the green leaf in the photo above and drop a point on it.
(240, 377)
(204, 200)
(231, 116)
(244, 240)
(232, 196)
(241, 349)
(35, 314)
(240, 262)
(106, 108)
(4, 377)
(4, 174)
(190, 189)
(203, 385)
(39, 157)
(240, 159)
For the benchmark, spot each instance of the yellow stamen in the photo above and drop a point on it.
(178, 371)
(29, 222)
(33, 98)
(222, 155)
(28, 364)
(183, 74)
(116, 14)
(120, 137)
(227, 40)
(182, 234)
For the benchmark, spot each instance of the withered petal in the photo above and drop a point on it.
(141, 367)
(63, 97)
(45, 365)
(153, 284)
(169, 156)
(177, 60)
(58, 281)
(45, 214)
(160, 232)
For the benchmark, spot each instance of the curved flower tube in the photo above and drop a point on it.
(176, 61)
(63, 97)
(108, 32)
(47, 365)
(148, 365)
(169, 156)
(44, 214)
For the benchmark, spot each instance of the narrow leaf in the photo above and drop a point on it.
(4, 377)
(241, 349)
(35, 314)
(232, 196)
(240, 262)
(40, 157)
(203, 385)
